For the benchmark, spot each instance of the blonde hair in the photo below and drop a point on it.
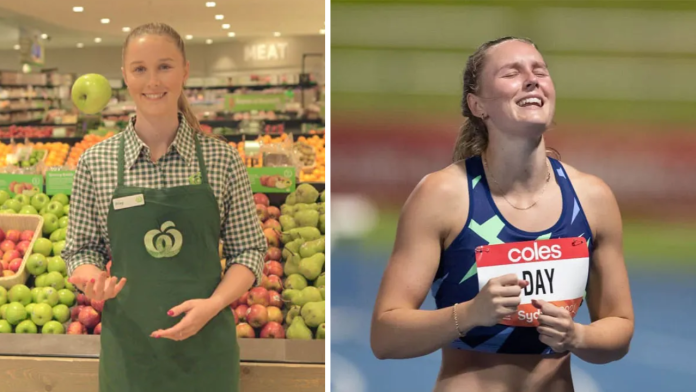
(167, 31)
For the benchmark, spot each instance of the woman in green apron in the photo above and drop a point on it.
(156, 200)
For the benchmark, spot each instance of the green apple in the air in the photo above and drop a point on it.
(60, 197)
(23, 199)
(53, 327)
(61, 313)
(3, 296)
(15, 313)
(57, 264)
(91, 93)
(20, 293)
(5, 327)
(39, 201)
(67, 297)
(26, 326)
(63, 222)
(48, 295)
(37, 264)
(41, 314)
(12, 204)
(56, 280)
(28, 210)
(43, 246)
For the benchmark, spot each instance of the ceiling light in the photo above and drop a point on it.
(78, 9)
(80, 45)
(105, 21)
(219, 17)
(226, 26)
(231, 34)
(126, 29)
(322, 31)
(210, 4)
(189, 37)
(17, 47)
(276, 34)
(97, 40)
(209, 41)
(44, 36)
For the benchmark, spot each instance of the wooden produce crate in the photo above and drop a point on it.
(21, 223)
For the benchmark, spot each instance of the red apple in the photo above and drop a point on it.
(273, 267)
(27, 235)
(97, 330)
(272, 330)
(15, 264)
(236, 319)
(273, 253)
(274, 299)
(98, 305)
(75, 328)
(7, 245)
(240, 311)
(271, 224)
(275, 314)
(273, 212)
(89, 317)
(234, 303)
(6, 273)
(260, 198)
(258, 296)
(261, 212)
(272, 236)
(245, 331)
(75, 311)
(12, 235)
(264, 280)
(23, 247)
(244, 299)
(5, 264)
(257, 315)
(274, 283)
(83, 300)
(1, 268)
(2, 235)
(11, 255)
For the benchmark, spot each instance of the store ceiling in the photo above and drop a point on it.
(247, 19)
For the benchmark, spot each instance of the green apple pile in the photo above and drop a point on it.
(302, 221)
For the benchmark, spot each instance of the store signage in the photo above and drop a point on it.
(272, 179)
(18, 183)
(59, 182)
(265, 52)
(249, 102)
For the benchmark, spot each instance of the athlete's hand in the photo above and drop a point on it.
(198, 313)
(98, 286)
(556, 326)
(497, 298)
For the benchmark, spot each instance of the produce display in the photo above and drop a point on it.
(289, 302)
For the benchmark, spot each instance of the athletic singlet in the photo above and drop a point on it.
(457, 279)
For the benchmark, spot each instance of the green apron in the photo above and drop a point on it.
(165, 243)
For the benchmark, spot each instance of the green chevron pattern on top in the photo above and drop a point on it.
(546, 236)
(472, 271)
(489, 230)
(475, 181)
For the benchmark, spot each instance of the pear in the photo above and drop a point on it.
(322, 224)
(306, 193)
(321, 290)
(287, 209)
(295, 281)
(298, 330)
(308, 233)
(291, 199)
(294, 311)
(321, 281)
(310, 267)
(290, 295)
(287, 222)
(322, 208)
(307, 294)
(307, 218)
(321, 332)
(302, 207)
(313, 313)
(322, 198)
(292, 265)
(310, 248)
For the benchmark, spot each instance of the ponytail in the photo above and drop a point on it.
(185, 109)
(472, 139)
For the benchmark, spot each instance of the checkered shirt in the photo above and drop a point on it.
(87, 240)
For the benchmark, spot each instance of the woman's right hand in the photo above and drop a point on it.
(96, 284)
(498, 298)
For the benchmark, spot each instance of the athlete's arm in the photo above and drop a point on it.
(399, 328)
(608, 336)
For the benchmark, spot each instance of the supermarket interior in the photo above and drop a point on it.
(256, 79)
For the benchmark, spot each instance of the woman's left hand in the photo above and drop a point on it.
(556, 326)
(198, 313)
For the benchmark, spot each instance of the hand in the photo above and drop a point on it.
(198, 313)
(497, 299)
(101, 287)
(556, 326)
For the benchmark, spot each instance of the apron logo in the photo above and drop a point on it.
(195, 179)
(165, 242)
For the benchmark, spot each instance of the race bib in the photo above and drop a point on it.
(556, 269)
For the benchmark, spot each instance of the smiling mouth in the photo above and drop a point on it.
(530, 102)
(154, 97)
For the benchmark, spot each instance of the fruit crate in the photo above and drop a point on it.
(20, 223)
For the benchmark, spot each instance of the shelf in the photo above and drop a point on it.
(253, 87)
(23, 110)
(293, 123)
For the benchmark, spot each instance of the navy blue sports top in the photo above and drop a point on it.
(456, 279)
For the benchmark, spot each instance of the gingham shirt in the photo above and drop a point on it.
(87, 240)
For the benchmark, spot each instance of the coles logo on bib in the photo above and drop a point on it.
(557, 272)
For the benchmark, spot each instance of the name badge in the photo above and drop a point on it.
(556, 269)
(128, 202)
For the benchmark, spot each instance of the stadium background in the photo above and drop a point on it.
(625, 75)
